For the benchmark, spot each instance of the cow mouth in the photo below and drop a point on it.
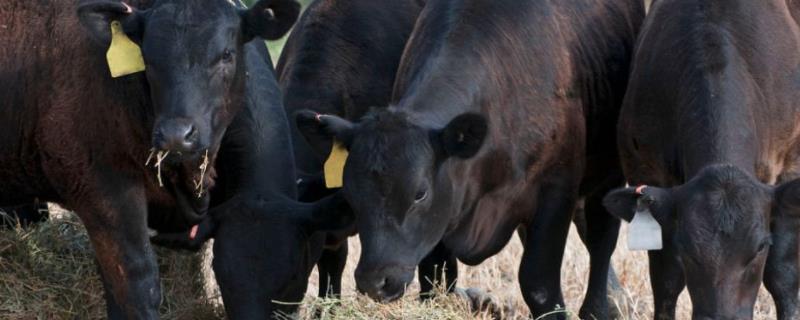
(386, 294)
(188, 178)
(384, 284)
(390, 297)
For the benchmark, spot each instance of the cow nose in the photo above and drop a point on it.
(178, 136)
(374, 287)
(379, 286)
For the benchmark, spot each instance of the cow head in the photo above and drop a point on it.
(263, 250)
(719, 225)
(193, 52)
(393, 180)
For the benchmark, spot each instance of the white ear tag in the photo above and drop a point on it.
(644, 232)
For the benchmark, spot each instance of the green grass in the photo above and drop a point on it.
(275, 48)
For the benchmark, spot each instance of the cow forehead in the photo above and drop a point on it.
(725, 210)
(179, 34)
(705, 244)
(192, 14)
(200, 3)
(725, 196)
(719, 224)
(385, 152)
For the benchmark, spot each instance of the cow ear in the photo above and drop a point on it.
(331, 213)
(96, 18)
(320, 129)
(464, 135)
(787, 198)
(621, 203)
(269, 19)
(624, 202)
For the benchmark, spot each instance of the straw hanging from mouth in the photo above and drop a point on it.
(198, 185)
(159, 156)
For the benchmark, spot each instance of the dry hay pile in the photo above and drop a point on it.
(47, 271)
(441, 307)
(498, 276)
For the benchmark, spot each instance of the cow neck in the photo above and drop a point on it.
(587, 36)
(726, 113)
(442, 91)
(716, 132)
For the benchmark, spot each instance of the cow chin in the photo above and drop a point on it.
(193, 208)
(189, 180)
(385, 284)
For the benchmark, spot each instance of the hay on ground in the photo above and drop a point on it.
(47, 271)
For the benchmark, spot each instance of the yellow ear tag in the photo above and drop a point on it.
(334, 166)
(124, 57)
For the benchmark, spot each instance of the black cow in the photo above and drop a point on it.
(251, 268)
(265, 250)
(341, 58)
(266, 243)
(710, 124)
(71, 134)
(502, 116)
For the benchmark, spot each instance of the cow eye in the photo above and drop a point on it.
(765, 245)
(421, 195)
(227, 55)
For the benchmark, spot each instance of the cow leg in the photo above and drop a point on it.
(441, 267)
(117, 228)
(438, 267)
(545, 238)
(331, 267)
(615, 291)
(600, 239)
(666, 279)
(782, 270)
(113, 309)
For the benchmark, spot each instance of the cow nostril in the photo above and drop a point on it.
(190, 134)
(176, 136)
(381, 284)
(159, 136)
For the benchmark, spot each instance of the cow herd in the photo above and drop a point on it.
(457, 123)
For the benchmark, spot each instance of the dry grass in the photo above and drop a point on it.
(498, 276)
(47, 272)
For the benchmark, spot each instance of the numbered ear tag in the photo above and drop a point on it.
(644, 232)
(334, 166)
(123, 55)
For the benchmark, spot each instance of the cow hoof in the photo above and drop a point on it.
(482, 302)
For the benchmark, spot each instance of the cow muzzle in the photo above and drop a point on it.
(177, 135)
(384, 284)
